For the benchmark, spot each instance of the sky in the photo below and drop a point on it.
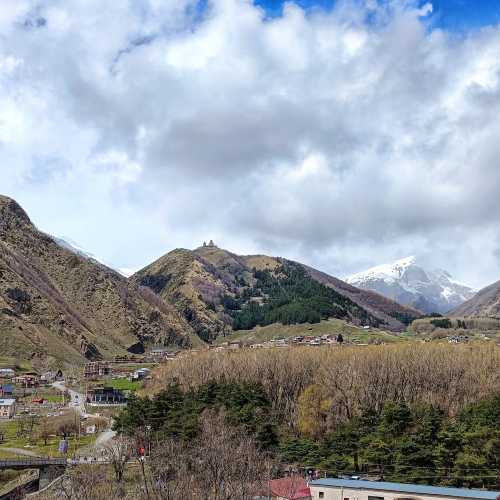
(343, 134)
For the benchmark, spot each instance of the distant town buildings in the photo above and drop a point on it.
(281, 342)
(7, 408)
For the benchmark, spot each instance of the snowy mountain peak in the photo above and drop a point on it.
(388, 271)
(409, 283)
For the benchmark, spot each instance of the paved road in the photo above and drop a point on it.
(104, 438)
(77, 400)
(78, 403)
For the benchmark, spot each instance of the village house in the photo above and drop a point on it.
(349, 489)
(27, 380)
(51, 376)
(290, 488)
(141, 373)
(7, 408)
(7, 373)
(158, 355)
(96, 369)
(105, 396)
(6, 390)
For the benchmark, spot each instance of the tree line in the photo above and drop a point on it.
(428, 414)
(288, 295)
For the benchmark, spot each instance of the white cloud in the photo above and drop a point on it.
(342, 138)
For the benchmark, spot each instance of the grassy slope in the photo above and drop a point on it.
(332, 326)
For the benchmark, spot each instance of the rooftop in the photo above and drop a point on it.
(7, 402)
(291, 488)
(407, 488)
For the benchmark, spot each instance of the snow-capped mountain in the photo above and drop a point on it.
(75, 248)
(408, 283)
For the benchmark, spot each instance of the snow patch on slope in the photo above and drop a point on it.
(74, 247)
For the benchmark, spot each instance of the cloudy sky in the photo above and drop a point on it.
(341, 134)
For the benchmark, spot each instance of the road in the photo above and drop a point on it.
(104, 438)
(77, 402)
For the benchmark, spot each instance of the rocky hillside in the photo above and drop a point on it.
(485, 304)
(408, 282)
(56, 303)
(217, 292)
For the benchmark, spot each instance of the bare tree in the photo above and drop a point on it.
(46, 430)
(86, 482)
(222, 463)
(118, 452)
(26, 425)
(170, 469)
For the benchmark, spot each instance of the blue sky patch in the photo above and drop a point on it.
(454, 15)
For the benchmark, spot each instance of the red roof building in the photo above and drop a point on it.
(290, 488)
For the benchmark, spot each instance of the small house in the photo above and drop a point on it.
(140, 374)
(7, 408)
(159, 355)
(47, 377)
(6, 390)
(7, 373)
(290, 488)
(30, 379)
(96, 369)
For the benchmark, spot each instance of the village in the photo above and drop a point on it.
(54, 414)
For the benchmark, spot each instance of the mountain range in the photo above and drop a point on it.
(408, 282)
(215, 290)
(57, 301)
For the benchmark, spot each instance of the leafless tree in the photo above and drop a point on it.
(118, 452)
(446, 376)
(26, 425)
(86, 482)
(222, 463)
(46, 430)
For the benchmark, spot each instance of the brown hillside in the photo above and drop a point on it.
(196, 282)
(486, 303)
(55, 303)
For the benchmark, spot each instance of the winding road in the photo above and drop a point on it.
(77, 401)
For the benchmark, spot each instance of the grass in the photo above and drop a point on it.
(36, 444)
(15, 363)
(330, 327)
(124, 384)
